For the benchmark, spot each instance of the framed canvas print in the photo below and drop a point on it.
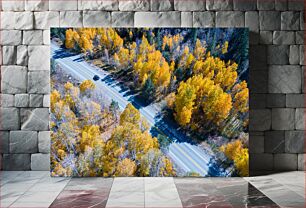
(149, 102)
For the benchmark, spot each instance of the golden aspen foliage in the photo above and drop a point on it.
(126, 168)
(238, 154)
(72, 37)
(85, 43)
(124, 57)
(54, 98)
(199, 51)
(170, 99)
(241, 97)
(225, 47)
(90, 137)
(87, 85)
(130, 115)
(184, 103)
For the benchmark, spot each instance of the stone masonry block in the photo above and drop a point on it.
(40, 162)
(261, 161)
(230, 19)
(24, 20)
(157, 19)
(4, 141)
(47, 19)
(36, 5)
(10, 119)
(294, 142)
(266, 37)
(257, 101)
(256, 144)
(295, 100)
(285, 162)
(162, 5)
(44, 141)
(216, 5)
(96, 19)
(46, 37)
(22, 100)
(246, 5)
(299, 37)
(297, 5)
(283, 118)
(281, 5)
(71, 19)
(301, 162)
(13, 5)
(134, 5)
(274, 141)
(294, 54)
(7, 20)
(290, 21)
(186, 19)
(285, 79)
(251, 21)
(63, 5)
(269, 20)
(98, 5)
(300, 119)
(36, 119)
(23, 142)
(122, 19)
(283, 37)
(39, 58)
(22, 55)
(33, 37)
(276, 100)
(6, 100)
(302, 20)
(265, 5)
(11, 37)
(36, 100)
(260, 120)
(278, 54)
(16, 162)
(39, 82)
(203, 19)
(13, 79)
(195, 5)
(258, 57)
(302, 54)
(258, 82)
(46, 101)
(9, 54)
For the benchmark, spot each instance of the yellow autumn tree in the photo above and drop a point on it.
(184, 103)
(238, 154)
(126, 168)
(71, 37)
(87, 85)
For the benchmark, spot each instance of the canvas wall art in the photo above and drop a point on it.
(149, 102)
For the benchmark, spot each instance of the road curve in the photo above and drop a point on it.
(188, 157)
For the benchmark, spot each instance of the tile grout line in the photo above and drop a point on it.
(61, 190)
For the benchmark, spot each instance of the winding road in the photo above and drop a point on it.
(188, 157)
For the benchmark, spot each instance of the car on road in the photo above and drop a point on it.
(96, 78)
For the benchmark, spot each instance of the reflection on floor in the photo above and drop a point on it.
(38, 189)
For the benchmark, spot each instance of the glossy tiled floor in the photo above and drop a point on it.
(38, 189)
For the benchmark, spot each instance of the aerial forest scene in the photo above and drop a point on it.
(149, 102)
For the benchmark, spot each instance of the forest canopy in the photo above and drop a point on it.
(200, 73)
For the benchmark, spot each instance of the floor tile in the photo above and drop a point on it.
(36, 199)
(50, 184)
(101, 184)
(126, 184)
(159, 183)
(126, 200)
(81, 198)
(162, 198)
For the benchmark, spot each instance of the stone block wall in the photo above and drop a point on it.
(277, 125)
